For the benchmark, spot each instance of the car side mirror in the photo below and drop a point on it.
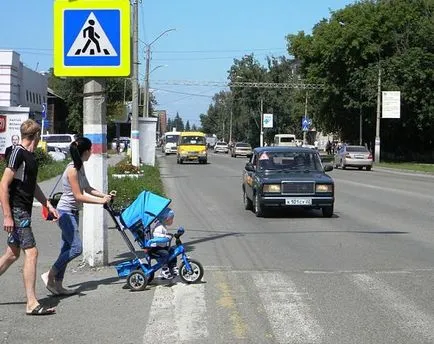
(328, 168)
(249, 167)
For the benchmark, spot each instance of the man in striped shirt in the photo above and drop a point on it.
(18, 187)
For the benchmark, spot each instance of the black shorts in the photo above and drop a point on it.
(22, 235)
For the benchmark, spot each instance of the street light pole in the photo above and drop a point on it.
(261, 138)
(377, 127)
(305, 116)
(148, 59)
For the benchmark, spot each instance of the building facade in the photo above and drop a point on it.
(21, 86)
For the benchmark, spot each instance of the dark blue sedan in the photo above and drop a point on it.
(287, 177)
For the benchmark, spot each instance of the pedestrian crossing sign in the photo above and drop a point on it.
(92, 38)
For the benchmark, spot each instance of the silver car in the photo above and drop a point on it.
(221, 147)
(353, 156)
(241, 148)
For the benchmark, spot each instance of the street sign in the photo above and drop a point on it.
(268, 120)
(391, 102)
(306, 122)
(92, 38)
(44, 111)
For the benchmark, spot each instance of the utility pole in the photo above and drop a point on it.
(135, 160)
(230, 127)
(377, 127)
(261, 138)
(146, 93)
(95, 235)
(305, 116)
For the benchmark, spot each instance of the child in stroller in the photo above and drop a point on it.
(139, 218)
(161, 248)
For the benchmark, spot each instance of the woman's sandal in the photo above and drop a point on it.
(41, 310)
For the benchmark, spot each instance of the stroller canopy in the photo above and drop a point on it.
(145, 208)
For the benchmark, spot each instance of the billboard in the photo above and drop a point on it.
(268, 120)
(10, 124)
(391, 104)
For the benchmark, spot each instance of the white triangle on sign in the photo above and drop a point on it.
(91, 40)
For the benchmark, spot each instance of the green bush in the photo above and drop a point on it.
(42, 157)
(128, 188)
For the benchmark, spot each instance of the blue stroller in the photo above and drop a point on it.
(138, 218)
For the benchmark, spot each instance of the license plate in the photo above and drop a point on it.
(359, 156)
(298, 201)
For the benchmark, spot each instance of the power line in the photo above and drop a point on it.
(186, 93)
(299, 84)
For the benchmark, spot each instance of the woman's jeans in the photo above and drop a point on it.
(71, 245)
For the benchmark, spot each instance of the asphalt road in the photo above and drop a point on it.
(363, 276)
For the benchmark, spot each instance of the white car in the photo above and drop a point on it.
(221, 147)
(353, 156)
(56, 153)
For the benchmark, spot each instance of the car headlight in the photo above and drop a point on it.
(271, 188)
(324, 188)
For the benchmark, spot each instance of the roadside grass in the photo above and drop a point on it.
(410, 166)
(51, 170)
(129, 187)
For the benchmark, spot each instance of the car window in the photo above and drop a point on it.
(193, 140)
(291, 161)
(246, 145)
(357, 149)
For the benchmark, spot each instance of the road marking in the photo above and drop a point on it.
(178, 314)
(413, 319)
(227, 301)
(375, 187)
(288, 314)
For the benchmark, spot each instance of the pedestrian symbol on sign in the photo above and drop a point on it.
(92, 40)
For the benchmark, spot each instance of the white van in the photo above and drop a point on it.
(61, 141)
(285, 140)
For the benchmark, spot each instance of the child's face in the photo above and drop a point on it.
(169, 221)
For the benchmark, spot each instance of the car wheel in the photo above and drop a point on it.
(259, 210)
(327, 211)
(368, 168)
(248, 204)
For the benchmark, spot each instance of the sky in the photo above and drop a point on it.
(207, 37)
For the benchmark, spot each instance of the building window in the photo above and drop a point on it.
(39, 99)
(27, 96)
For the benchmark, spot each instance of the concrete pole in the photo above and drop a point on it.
(148, 59)
(230, 126)
(261, 138)
(95, 252)
(135, 161)
(377, 127)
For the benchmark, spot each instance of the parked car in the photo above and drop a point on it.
(61, 141)
(353, 156)
(287, 177)
(56, 153)
(241, 148)
(221, 147)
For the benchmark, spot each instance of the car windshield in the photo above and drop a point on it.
(243, 145)
(356, 149)
(290, 161)
(172, 138)
(221, 144)
(193, 140)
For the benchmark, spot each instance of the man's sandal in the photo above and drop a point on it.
(41, 310)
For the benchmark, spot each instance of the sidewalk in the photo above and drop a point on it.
(92, 315)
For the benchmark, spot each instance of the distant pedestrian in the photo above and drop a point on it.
(18, 187)
(74, 183)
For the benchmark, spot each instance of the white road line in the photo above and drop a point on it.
(178, 314)
(287, 312)
(413, 319)
(382, 188)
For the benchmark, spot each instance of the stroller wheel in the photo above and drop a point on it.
(150, 276)
(193, 276)
(137, 280)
